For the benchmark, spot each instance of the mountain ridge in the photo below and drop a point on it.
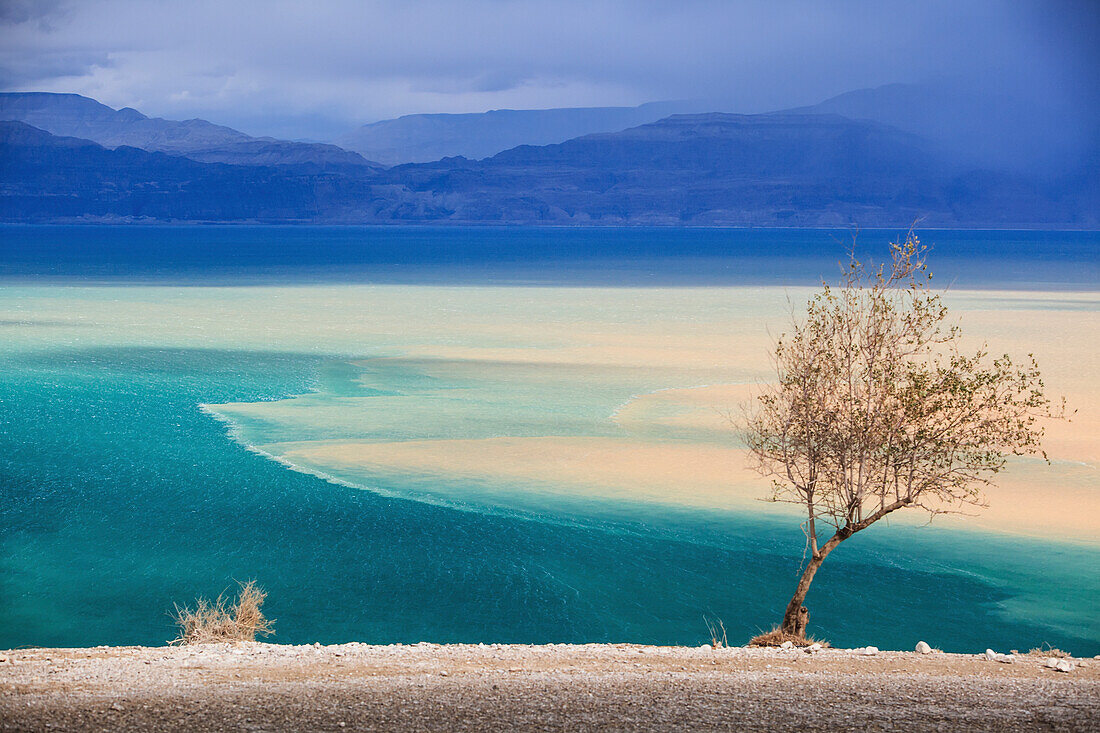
(72, 115)
(690, 170)
(425, 138)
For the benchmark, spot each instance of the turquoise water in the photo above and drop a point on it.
(121, 497)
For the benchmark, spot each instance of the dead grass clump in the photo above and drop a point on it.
(1046, 650)
(224, 619)
(717, 631)
(776, 636)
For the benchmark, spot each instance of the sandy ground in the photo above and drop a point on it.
(554, 687)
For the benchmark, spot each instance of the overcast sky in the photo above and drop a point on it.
(314, 69)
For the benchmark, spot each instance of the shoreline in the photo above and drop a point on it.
(149, 222)
(354, 686)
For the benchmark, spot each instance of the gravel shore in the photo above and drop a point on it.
(270, 687)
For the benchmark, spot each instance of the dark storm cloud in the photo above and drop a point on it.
(307, 69)
(19, 70)
(24, 11)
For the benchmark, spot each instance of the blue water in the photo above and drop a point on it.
(119, 498)
(538, 256)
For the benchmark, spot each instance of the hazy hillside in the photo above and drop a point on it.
(46, 177)
(425, 138)
(966, 127)
(976, 127)
(712, 169)
(826, 146)
(698, 169)
(72, 115)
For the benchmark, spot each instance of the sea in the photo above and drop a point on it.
(485, 434)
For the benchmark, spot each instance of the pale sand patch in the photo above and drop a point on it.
(1067, 347)
(1060, 501)
(717, 409)
(1026, 501)
(660, 348)
(696, 475)
(1056, 500)
(601, 341)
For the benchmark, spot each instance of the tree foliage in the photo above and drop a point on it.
(877, 407)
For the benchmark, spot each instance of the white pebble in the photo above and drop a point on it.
(1062, 665)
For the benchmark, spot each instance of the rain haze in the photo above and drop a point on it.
(313, 71)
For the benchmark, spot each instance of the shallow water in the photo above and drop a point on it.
(139, 422)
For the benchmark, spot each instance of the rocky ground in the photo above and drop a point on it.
(256, 686)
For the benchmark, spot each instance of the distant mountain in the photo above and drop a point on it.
(72, 115)
(45, 177)
(975, 127)
(711, 169)
(269, 151)
(756, 146)
(697, 169)
(424, 138)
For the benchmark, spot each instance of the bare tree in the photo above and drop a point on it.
(877, 408)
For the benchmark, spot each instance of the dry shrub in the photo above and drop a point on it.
(1046, 650)
(224, 619)
(776, 636)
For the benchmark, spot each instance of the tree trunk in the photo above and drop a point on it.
(797, 615)
(801, 622)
